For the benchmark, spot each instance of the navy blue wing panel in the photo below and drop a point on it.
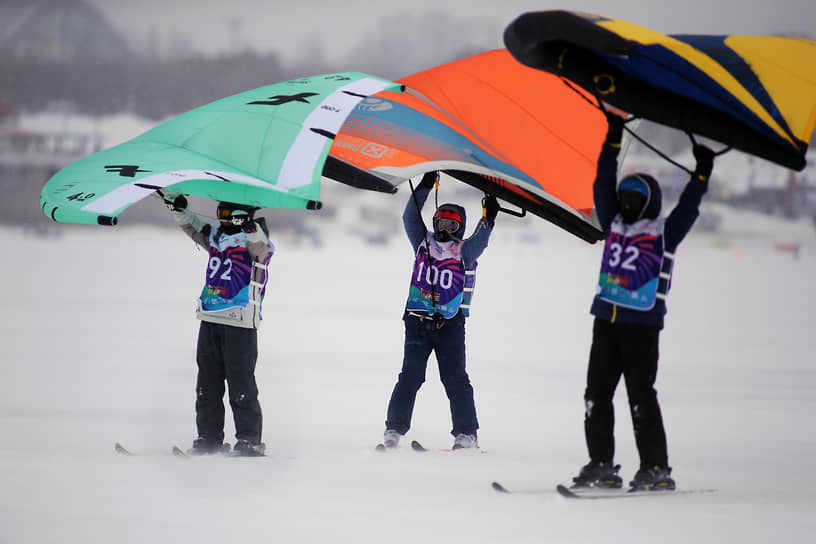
(715, 47)
(651, 81)
(655, 65)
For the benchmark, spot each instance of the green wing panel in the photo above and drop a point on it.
(98, 188)
(265, 147)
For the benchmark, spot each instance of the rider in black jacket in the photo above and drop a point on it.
(629, 306)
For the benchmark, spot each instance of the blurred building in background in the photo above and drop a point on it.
(57, 31)
(63, 57)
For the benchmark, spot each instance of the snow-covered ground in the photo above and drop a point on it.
(98, 341)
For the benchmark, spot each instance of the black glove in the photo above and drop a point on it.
(428, 180)
(175, 202)
(248, 226)
(614, 133)
(705, 161)
(491, 208)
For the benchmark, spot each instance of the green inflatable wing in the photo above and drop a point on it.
(753, 93)
(267, 148)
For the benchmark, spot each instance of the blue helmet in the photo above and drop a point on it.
(639, 197)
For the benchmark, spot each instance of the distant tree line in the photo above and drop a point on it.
(152, 89)
(156, 89)
(112, 81)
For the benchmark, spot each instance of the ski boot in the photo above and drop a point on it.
(464, 441)
(245, 448)
(656, 478)
(391, 438)
(598, 474)
(206, 446)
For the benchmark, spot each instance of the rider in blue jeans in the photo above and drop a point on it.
(442, 284)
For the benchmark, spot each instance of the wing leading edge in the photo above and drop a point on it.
(267, 147)
(492, 123)
(754, 93)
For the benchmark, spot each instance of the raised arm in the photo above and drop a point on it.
(477, 243)
(682, 217)
(191, 224)
(412, 217)
(606, 176)
(258, 244)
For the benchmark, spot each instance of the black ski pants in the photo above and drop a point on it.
(227, 353)
(630, 350)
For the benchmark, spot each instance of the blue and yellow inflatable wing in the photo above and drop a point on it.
(754, 93)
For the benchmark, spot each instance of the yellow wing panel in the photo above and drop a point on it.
(699, 59)
(787, 69)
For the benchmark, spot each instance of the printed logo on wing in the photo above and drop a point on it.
(374, 104)
(374, 150)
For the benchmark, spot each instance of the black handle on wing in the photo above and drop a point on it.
(499, 208)
(515, 213)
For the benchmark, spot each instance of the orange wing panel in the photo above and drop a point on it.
(530, 118)
(362, 152)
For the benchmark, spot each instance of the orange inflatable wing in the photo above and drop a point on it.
(512, 131)
(531, 118)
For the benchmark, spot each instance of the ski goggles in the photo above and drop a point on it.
(450, 226)
(632, 199)
(237, 217)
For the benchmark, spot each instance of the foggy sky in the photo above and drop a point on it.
(293, 27)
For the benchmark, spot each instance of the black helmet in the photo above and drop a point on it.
(234, 217)
(236, 214)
